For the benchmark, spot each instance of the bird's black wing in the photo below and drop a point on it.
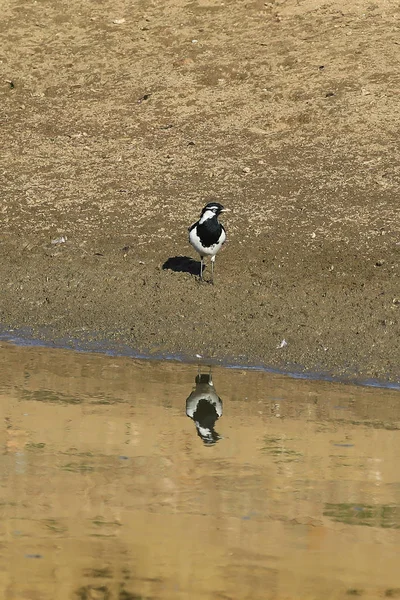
(209, 232)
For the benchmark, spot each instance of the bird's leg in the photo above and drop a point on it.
(201, 267)
(212, 269)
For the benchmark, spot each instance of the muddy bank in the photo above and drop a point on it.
(120, 122)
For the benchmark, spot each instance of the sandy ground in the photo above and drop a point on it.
(120, 120)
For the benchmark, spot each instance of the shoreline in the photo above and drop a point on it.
(24, 339)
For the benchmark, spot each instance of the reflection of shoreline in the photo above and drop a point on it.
(204, 407)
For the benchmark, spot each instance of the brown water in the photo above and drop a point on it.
(108, 493)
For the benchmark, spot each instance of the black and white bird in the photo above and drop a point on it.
(205, 407)
(207, 235)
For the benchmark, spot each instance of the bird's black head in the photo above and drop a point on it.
(213, 207)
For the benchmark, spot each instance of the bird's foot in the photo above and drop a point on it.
(201, 280)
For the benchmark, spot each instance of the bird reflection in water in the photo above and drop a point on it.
(204, 407)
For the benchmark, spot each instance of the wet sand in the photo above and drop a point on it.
(120, 122)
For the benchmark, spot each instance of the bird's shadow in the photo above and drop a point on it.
(183, 264)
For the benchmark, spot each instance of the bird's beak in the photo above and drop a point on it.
(226, 210)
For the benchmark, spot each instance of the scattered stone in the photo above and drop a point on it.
(60, 240)
(119, 21)
(144, 97)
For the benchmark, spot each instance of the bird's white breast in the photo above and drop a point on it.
(204, 250)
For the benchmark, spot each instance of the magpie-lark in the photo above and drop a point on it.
(205, 408)
(207, 235)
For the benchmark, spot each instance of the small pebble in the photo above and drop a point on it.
(60, 240)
